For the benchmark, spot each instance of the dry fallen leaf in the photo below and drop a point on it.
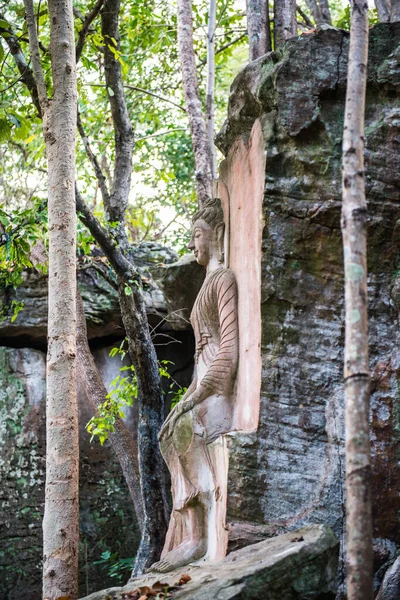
(144, 590)
(159, 587)
(184, 579)
(297, 539)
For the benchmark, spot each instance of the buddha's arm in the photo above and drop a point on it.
(220, 376)
(177, 408)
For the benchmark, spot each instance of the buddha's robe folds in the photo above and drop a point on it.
(196, 458)
(214, 321)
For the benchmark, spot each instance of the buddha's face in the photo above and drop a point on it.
(201, 242)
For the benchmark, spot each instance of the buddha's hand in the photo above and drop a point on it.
(165, 431)
(179, 409)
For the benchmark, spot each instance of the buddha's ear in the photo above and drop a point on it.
(219, 233)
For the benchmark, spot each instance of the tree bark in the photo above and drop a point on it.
(150, 396)
(122, 442)
(152, 480)
(325, 12)
(383, 9)
(151, 417)
(61, 516)
(395, 11)
(27, 76)
(133, 309)
(116, 204)
(258, 28)
(356, 368)
(315, 11)
(210, 88)
(285, 24)
(194, 109)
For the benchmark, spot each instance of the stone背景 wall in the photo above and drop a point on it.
(291, 472)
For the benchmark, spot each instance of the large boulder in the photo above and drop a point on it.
(170, 287)
(294, 566)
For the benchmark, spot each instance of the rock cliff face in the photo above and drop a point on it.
(290, 473)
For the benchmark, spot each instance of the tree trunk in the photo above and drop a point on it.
(151, 417)
(133, 308)
(383, 9)
(356, 368)
(325, 12)
(258, 28)
(194, 109)
(150, 398)
(122, 442)
(285, 24)
(212, 21)
(115, 204)
(395, 11)
(61, 516)
(315, 11)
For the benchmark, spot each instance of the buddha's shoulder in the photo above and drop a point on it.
(224, 277)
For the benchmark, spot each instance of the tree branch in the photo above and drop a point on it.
(35, 52)
(122, 442)
(95, 163)
(315, 10)
(121, 265)
(98, 267)
(138, 89)
(303, 15)
(123, 131)
(87, 21)
(193, 104)
(153, 135)
(27, 76)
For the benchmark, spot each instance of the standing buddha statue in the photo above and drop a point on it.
(192, 438)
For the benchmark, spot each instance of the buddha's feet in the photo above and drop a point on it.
(182, 555)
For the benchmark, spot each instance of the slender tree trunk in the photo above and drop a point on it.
(315, 11)
(285, 24)
(212, 22)
(325, 12)
(61, 516)
(383, 10)
(356, 368)
(122, 442)
(258, 28)
(395, 11)
(193, 103)
(133, 309)
(151, 416)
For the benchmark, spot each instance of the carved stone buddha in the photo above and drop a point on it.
(191, 439)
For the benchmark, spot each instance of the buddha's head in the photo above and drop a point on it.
(207, 241)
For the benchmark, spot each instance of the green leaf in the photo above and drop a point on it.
(5, 130)
(128, 290)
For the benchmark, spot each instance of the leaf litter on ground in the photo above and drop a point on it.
(158, 590)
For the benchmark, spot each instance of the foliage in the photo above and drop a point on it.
(116, 567)
(162, 196)
(124, 390)
(20, 230)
